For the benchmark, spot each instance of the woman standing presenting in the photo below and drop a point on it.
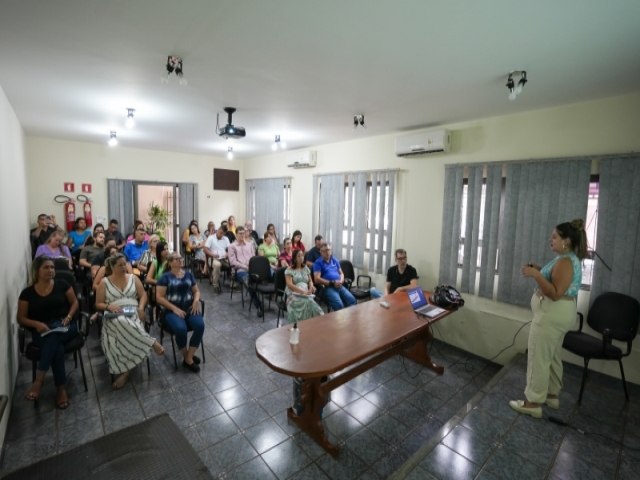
(554, 312)
(47, 304)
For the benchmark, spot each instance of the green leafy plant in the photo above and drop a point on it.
(158, 219)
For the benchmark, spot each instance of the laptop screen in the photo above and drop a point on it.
(417, 298)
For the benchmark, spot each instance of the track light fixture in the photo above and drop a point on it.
(278, 144)
(515, 90)
(174, 65)
(229, 153)
(113, 139)
(358, 119)
(130, 122)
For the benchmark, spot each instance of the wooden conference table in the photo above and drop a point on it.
(349, 341)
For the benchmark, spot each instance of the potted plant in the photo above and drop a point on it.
(158, 219)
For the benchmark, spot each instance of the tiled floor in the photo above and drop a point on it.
(397, 417)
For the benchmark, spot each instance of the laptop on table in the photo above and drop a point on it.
(420, 304)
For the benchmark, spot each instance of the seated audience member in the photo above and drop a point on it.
(296, 241)
(225, 228)
(47, 304)
(250, 232)
(196, 245)
(215, 248)
(300, 289)
(178, 292)
(314, 254)
(91, 251)
(109, 252)
(98, 228)
(159, 264)
(133, 250)
(99, 258)
(78, 236)
(54, 247)
(271, 228)
(113, 233)
(284, 260)
(132, 236)
(41, 233)
(401, 276)
(148, 255)
(125, 342)
(240, 252)
(327, 272)
(211, 229)
(185, 236)
(231, 224)
(269, 248)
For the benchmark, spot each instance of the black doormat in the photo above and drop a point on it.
(153, 449)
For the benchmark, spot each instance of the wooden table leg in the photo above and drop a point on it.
(310, 420)
(419, 353)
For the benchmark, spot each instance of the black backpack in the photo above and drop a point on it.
(448, 297)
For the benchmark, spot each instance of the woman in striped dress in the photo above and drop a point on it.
(124, 340)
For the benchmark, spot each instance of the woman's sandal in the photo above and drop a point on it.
(62, 401)
(120, 381)
(31, 395)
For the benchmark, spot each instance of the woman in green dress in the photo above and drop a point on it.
(300, 290)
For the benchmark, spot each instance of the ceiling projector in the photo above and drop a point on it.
(229, 130)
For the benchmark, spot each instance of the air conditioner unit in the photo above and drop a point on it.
(419, 143)
(302, 159)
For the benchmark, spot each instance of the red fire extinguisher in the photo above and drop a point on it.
(86, 206)
(69, 211)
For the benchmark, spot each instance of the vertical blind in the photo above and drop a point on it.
(267, 201)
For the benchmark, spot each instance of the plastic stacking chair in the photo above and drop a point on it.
(614, 316)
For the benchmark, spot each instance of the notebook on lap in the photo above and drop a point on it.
(421, 305)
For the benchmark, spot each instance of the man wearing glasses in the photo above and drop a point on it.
(328, 274)
(402, 276)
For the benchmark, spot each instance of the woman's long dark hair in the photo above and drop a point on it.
(574, 231)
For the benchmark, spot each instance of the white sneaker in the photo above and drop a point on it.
(553, 403)
(518, 406)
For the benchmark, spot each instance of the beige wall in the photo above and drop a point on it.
(483, 327)
(52, 162)
(14, 220)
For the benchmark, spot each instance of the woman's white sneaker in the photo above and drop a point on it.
(518, 406)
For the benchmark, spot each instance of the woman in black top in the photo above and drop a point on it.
(45, 305)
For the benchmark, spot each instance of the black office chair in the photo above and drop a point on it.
(360, 291)
(260, 280)
(32, 351)
(235, 281)
(616, 317)
(164, 328)
(280, 283)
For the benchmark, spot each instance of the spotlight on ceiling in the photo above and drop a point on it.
(358, 119)
(515, 90)
(130, 122)
(174, 65)
(113, 139)
(278, 144)
(230, 153)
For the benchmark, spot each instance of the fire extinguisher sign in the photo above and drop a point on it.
(86, 188)
(69, 187)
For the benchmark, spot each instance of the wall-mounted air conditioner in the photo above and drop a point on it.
(418, 143)
(302, 159)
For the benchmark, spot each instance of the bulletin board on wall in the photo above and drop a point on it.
(224, 179)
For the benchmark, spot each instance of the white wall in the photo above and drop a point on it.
(482, 327)
(52, 162)
(14, 220)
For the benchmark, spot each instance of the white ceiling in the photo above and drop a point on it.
(302, 68)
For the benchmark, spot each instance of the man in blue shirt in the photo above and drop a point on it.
(135, 248)
(327, 273)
